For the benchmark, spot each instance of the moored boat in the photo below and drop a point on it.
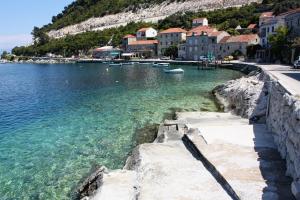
(115, 64)
(161, 64)
(174, 71)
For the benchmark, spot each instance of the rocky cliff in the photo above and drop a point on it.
(149, 14)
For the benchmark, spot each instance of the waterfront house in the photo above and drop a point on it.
(200, 22)
(126, 40)
(170, 37)
(107, 53)
(230, 45)
(143, 48)
(146, 33)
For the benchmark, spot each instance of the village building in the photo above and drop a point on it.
(236, 44)
(143, 48)
(126, 40)
(170, 37)
(269, 23)
(146, 33)
(107, 52)
(208, 42)
(200, 22)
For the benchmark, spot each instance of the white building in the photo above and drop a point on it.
(146, 33)
(200, 22)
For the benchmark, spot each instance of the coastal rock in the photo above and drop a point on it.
(152, 13)
(246, 97)
(91, 184)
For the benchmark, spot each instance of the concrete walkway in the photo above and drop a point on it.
(285, 75)
(244, 155)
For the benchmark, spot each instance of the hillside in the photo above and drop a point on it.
(144, 12)
(224, 19)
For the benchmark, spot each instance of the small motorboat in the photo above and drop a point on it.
(128, 63)
(161, 64)
(115, 64)
(174, 71)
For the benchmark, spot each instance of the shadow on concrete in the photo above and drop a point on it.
(295, 76)
(272, 167)
(190, 146)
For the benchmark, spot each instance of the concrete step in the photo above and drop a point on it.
(245, 156)
(168, 171)
(194, 119)
(117, 185)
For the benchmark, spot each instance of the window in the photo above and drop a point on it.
(213, 40)
(273, 29)
(228, 47)
(171, 43)
(190, 42)
(299, 22)
(190, 49)
(196, 48)
(268, 29)
(161, 43)
(196, 41)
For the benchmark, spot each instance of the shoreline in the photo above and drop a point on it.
(251, 112)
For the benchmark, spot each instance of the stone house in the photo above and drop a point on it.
(106, 52)
(143, 48)
(203, 40)
(146, 33)
(230, 44)
(170, 37)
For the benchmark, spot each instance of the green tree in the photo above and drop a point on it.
(4, 55)
(39, 36)
(280, 44)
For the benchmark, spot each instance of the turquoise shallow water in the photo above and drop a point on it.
(58, 121)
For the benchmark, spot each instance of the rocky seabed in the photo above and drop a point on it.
(148, 14)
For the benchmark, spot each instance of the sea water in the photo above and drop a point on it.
(57, 122)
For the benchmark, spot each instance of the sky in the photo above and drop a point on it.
(18, 17)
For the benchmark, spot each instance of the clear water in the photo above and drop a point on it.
(58, 121)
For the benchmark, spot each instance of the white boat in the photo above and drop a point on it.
(161, 64)
(115, 64)
(128, 63)
(174, 71)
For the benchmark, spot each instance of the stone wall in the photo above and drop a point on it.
(260, 97)
(283, 119)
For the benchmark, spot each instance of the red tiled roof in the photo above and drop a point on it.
(143, 29)
(129, 36)
(290, 12)
(216, 33)
(199, 29)
(143, 42)
(173, 30)
(266, 14)
(239, 38)
(251, 26)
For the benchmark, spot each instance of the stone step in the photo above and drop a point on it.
(245, 156)
(194, 119)
(117, 185)
(168, 171)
